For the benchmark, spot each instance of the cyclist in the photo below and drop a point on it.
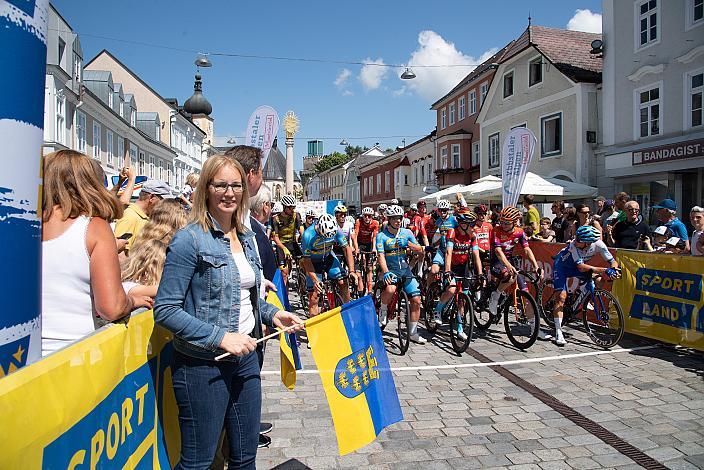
(391, 244)
(311, 218)
(571, 261)
(345, 227)
(506, 237)
(460, 242)
(318, 257)
(286, 230)
(365, 232)
(444, 223)
(484, 231)
(382, 215)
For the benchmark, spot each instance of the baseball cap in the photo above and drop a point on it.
(600, 198)
(666, 204)
(157, 188)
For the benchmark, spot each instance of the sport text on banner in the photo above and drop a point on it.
(349, 351)
(517, 152)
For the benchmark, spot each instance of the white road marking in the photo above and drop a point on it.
(488, 364)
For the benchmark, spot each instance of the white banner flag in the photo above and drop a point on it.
(261, 130)
(516, 154)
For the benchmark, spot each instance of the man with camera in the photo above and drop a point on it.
(628, 233)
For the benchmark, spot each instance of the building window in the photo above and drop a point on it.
(551, 135)
(133, 158)
(472, 102)
(422, 174)
(508, 84)
(483, 90)
(475, 154)
(443, 118)
(452, 114)
(695, 13)
(161, 170)
(122, 109)
(378, 183)
(463, 110)
(170, 173)
(366, 183)
(387, 181)
(152, 167)
(108, 147)
(648, 111)
(455, 155)
(77, 67)
(111, 99)
(443, 158)
(120, 152)
(133, 118)
(60, 124)
(430, 170)
(142, 163)
(96, 140)
(81, 132)
(535, 71)
(494, 150)
(696, 87)
(405, 180)
(648, 22)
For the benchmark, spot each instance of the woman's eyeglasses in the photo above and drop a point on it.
(221, 187)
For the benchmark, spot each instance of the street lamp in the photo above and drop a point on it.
(344, 142)
(231, 141)
(203, 61)
(408, 74)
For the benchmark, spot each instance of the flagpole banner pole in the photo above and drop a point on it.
(23, 27)
(516, 155)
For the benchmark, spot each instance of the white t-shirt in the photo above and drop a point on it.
(246, 283)
(187, 191)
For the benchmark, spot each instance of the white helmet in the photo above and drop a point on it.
(382, 208)
(349, 219)
(288, 201)
(310, 213)
(277, 209)
(394, 210)
(394, 202)
(340, 207)
(327, 226)
(443, 204)
(413, 207)
(367, 211)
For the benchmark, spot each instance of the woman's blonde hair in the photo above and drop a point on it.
(199, 212)
(145, 264)
(192, 179)
(166, 219)
(71, 183)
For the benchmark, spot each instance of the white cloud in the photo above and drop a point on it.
(401, 91)
(371, 76)
(347, 93)
(585, 20)
(433, 82)
(342, 78)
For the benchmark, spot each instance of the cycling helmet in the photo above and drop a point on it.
(413, 207)
(465, 215)
(340, 207)
(587, 234)
(277, 209)
(395, 202)
(288, 201)
(382, 208)
(367, 211)
(480, 209)
(509, 213)
(394, 211)
(310, 213)
(349, 219)
(443, 204)
(327, 226)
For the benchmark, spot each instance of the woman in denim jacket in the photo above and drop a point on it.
(209, 298)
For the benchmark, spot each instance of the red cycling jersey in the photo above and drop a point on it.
(485, 236)
(462, 245)
(507, 241)
(429, 227)
(366, 232)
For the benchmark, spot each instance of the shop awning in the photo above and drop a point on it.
(544, 190)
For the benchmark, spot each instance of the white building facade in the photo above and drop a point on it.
(415, 175)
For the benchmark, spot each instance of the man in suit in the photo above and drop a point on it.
(260, 207)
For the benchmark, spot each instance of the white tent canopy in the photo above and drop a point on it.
(544, 189)
(443, 193)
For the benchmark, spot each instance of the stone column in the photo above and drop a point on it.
(289, 165)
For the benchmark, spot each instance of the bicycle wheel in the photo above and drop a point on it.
(546, 303)
(603, 319)
(431, 298)
(403, 320)
(482, 315)
(521, 320)
(461, 320)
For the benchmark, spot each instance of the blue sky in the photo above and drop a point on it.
(332, 101)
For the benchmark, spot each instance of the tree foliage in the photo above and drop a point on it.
(329, 161)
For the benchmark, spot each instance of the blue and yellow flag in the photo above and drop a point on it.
(290, 359)
(348, 349)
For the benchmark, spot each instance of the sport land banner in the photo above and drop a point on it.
(661, 295)
(261, 130)
(103, 402)
(516, 154)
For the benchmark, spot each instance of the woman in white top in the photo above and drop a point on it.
(80, 269)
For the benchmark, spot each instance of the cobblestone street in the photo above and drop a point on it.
(463, 413)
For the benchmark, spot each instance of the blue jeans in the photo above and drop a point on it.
(211, 394)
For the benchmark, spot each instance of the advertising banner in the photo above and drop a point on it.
(261, 130)
(23, 26)
(103, 402)
(516, 155)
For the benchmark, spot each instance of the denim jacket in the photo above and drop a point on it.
(199, 295)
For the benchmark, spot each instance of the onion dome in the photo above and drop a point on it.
(197, 104)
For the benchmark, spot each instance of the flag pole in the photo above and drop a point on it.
(276, 333)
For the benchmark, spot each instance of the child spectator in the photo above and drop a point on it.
(545, 234)
(186, 196)
(167, 217)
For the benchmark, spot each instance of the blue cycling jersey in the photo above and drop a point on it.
(317, 247)
(394, 248)
(441, 233)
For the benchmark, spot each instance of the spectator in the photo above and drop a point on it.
(80, 270)
(261, 212)
(137, 213)
(167, 217)
(127, 177)
(208, 298)
(531, 218)
(570, 224)
(600, 203)
(696, 216)
(630, 233)
(186, 196)
(558, 223)
(585, 218)
(545, 234)
(619, 214)
(607, 212)
(141, 272)
(663, 241)
(666, 213)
